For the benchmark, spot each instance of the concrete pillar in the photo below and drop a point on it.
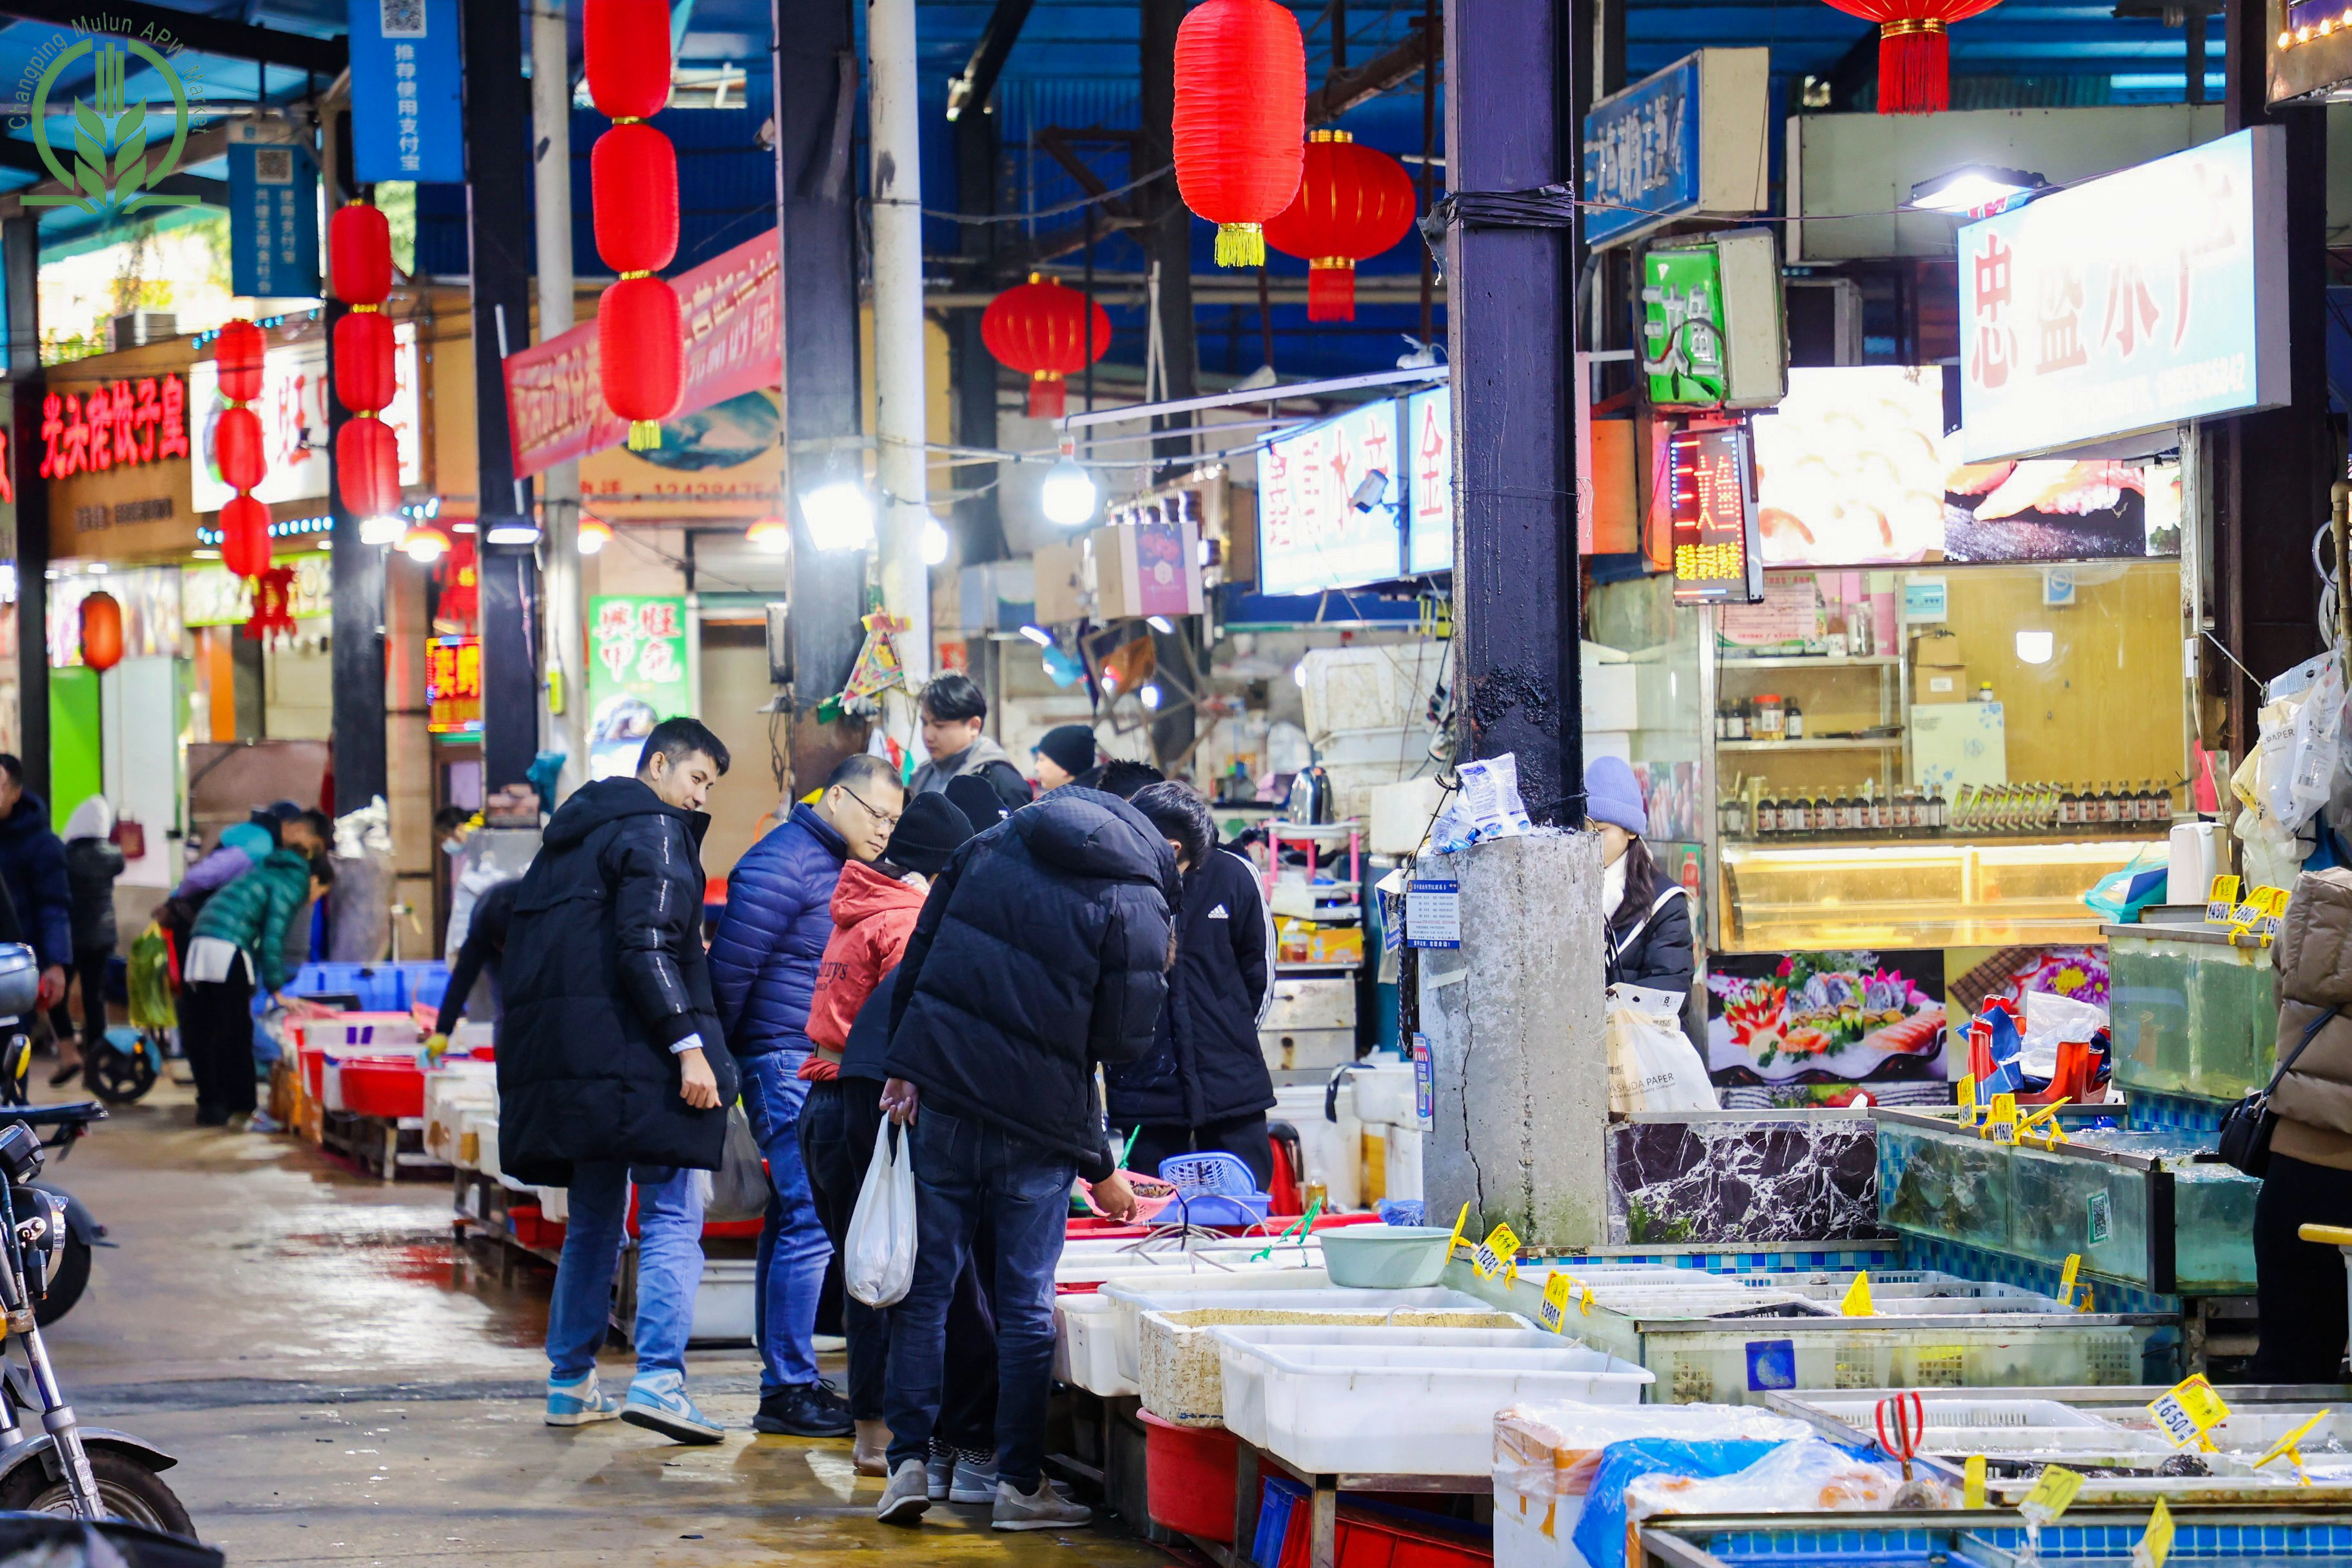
(20, 261)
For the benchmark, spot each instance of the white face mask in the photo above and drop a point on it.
(451, 845)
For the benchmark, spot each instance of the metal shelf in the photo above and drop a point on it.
(1889, 743)
(1807, 662)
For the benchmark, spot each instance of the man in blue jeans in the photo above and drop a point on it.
(763, 969)
(1042, 951)
(612, 1069)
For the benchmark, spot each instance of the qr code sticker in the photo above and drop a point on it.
(402, 19)
(273, 166)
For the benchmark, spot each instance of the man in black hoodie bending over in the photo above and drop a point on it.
(1042, 950)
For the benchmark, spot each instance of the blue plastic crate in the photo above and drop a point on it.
(378, 986)
(1278, 1506)
(424, 982)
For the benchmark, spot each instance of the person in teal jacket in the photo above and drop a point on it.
(238, 942)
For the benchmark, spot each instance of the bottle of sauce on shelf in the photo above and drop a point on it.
(1936, 819)
(2070, 808)
(1734, 817)
(1771, 723)
(1900, 813)
(1767, 816)
(1738, 720)
(1802, 809)
(2111, 809)
(1792, 720)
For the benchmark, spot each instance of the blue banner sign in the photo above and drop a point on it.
(405, 69)
(273, 215)
(1641, 154)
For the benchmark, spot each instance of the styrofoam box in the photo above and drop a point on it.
(1181, 1379)
(1398, 815)
(723, 1302)
(554, 1205)
(1384, 1094)
(1097, 1263)
(1130, 1298)
(483, 1126)
(1369, 686)
(1341, 1406)
(1085, 1349)
(450, 1090)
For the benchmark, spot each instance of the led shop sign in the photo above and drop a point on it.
(1712, 517)
(2128, 305)
(121, 424)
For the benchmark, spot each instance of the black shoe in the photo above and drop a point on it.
(212, 1119)
(65, 1074)
(804, 1410)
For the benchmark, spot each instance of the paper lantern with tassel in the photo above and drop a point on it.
(365, 369)
(359, 254)
(1354, 203)
(238, 356)
(633, 177)
(634, 172)
(1915, 49)
(1240, 124)
(1039, 328)
(638, 334)
(237, 448)
(367, 466)
(245, 537)
(101, 630)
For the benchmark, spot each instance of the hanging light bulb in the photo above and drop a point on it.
(512, 530)
(384, 527)
(424, 543)
(773, 535)
(595, 534)
(839, 515)
(935, 543)
(1070, 493)
(1149, 697)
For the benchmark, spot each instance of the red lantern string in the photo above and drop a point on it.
(273, 604)
(1915, 49)
(244, 536)
(367, 465)
(1354, 203)
(101, 630)
(633, 180)
(237, 449)
(1240, 122)
(1039, 328)
(367, 453)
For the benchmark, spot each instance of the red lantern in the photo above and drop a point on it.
(237, 448)
(244, 536)
(101, 630)
(1039, 328)
(367, 466)
(1355, 201)
(363, 362)
(634, 175)
(238, 357)
(359, 254)
(640, 338)
(1240, 120)
(1915, 51)
(626, 48)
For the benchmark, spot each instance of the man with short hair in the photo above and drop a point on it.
(954, 712)
(612, 1069)
(763, 971)
(33, 866)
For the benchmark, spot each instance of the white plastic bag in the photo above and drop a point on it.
(1652, 1066)
(877, 1258)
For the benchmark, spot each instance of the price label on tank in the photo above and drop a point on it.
(2066, 1278)
(2187, 1410)
(2155, 1543)
(1553, 1310)
(1498, 1252)
(2000, 1123)
(2272, 902)
(2221, 901)
(2052, 1495)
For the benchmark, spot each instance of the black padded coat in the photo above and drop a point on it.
(1205, 1064)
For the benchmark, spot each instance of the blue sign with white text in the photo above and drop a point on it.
(406, 77)
(1641, 154)
(273, 216)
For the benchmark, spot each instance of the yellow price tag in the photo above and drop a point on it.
(2272, 903)
(1460, 1221)
(2066, 1278)
(2052, 1495)
(1498, 1252)
(1973, 1482)
(2222, 900)
(1967, 1098)
(1857, 1302)
(2187, 1410)
(2290, 1446)
(1553, 1310)
(2155, 1542)
(2000, 1123)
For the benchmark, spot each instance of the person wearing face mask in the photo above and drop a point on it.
(1645, 914)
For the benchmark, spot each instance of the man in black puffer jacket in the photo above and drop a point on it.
(612, 1069)
(1042, 951)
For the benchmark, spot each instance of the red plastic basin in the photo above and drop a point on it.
(1189, 1478)
(388, 1089)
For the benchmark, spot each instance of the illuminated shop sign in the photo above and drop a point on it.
(452, 686)
(125, 423)
(1712, 516)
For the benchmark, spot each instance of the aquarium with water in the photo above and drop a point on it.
(2193, 1010)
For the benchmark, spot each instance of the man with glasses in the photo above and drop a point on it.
(763, 971)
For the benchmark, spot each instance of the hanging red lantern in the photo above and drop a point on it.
(1915, 49)
(237, 448)
(364, 376)
(1354, 203)
(639, 339)
(1240, 123)
(634, 172)
(367, 466)
(359, 254)
(626, 53)
(101, 630)
(244, 536)
(1039, 328)
(238, 356)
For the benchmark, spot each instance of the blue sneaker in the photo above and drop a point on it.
(657, 1402)
(579, 1404)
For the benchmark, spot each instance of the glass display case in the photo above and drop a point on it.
(1945, 756)
(2195, 1011)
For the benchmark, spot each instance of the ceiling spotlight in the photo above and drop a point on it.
(840, 517)
(1161, 623)
(1038, 634)
(385, 528)
(595, 534)
(1149, 697)
(935, 543)
(771, 536)
(511, 531)
(1070, 493)
(1972, 186)
(424, 543)
(1371, 491)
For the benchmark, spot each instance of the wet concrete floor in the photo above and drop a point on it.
(341, 1386)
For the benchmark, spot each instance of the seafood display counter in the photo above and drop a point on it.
(2194, 1010)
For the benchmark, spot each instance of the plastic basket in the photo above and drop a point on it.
(1212, 1170)
(390, 1089)
(1279, 1517)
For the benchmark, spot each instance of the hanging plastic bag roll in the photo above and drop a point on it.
(877, 1255)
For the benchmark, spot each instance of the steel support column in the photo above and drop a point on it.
(357, 573)
(20, 270)
(1168, 243)
(1511, 334)
(497, 229)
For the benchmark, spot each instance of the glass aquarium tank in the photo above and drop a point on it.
(2195, 1011)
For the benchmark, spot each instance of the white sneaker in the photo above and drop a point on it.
(906, 1495)
(974, 1480)
(1044, 1508)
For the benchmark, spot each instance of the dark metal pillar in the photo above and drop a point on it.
(816, 184)
(2272, 470)
(360, 773)
(20, 268)
(978, 523)
(1168, 243)
(1511, 333)
(497, 227)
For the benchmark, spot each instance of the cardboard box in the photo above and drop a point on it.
(1145, 569)
(1941, 683)
(1059, 582)
(1936, 649)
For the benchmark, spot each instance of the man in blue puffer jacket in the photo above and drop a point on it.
(763, 969)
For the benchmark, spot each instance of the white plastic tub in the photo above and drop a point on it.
(1420, 1403)
(1095, 1263)
(1130, 1298)
(1086, 1352)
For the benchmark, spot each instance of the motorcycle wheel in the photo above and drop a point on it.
(119, 1078)
(66, 1285)
(129, 1491)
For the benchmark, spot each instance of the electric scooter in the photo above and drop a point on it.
(61, 1127)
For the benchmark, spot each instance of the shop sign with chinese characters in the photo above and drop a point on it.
(2104, 315)
(1712, 517)
(293, 409)
(640, 671)
(1312, 534)
(1429, 454)
(406, 77)
(1685, 142)
(452, 686)
(210, 596)
(273, 213)
(124, 423)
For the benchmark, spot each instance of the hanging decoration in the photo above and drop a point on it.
(273, 604)
(101, 630)
(1240, 126)
(1039, 328)
(1354, 203)
(244, 536)
(633, 186)
(237, 449)
(1915, 49)
(367, 453)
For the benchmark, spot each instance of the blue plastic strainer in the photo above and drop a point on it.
(1212, 1171)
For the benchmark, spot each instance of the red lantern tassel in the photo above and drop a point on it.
(1331, 290)
(1048, 395)
(1914, 67)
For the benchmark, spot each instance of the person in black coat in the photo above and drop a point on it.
(1204, 1085)
(1647, 914)
(1041, 952)
(612, 1069)
(483, 952)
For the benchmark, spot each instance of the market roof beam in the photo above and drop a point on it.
(1384, 72)
(987, 57)
(205, 34)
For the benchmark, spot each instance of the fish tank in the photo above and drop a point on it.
(1996, 1538)
(2194, 1010)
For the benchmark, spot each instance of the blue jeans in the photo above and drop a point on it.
(669, 1266)
(967, 1172)
(793, 1248)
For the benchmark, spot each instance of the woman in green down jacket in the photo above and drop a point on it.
(239, 940)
